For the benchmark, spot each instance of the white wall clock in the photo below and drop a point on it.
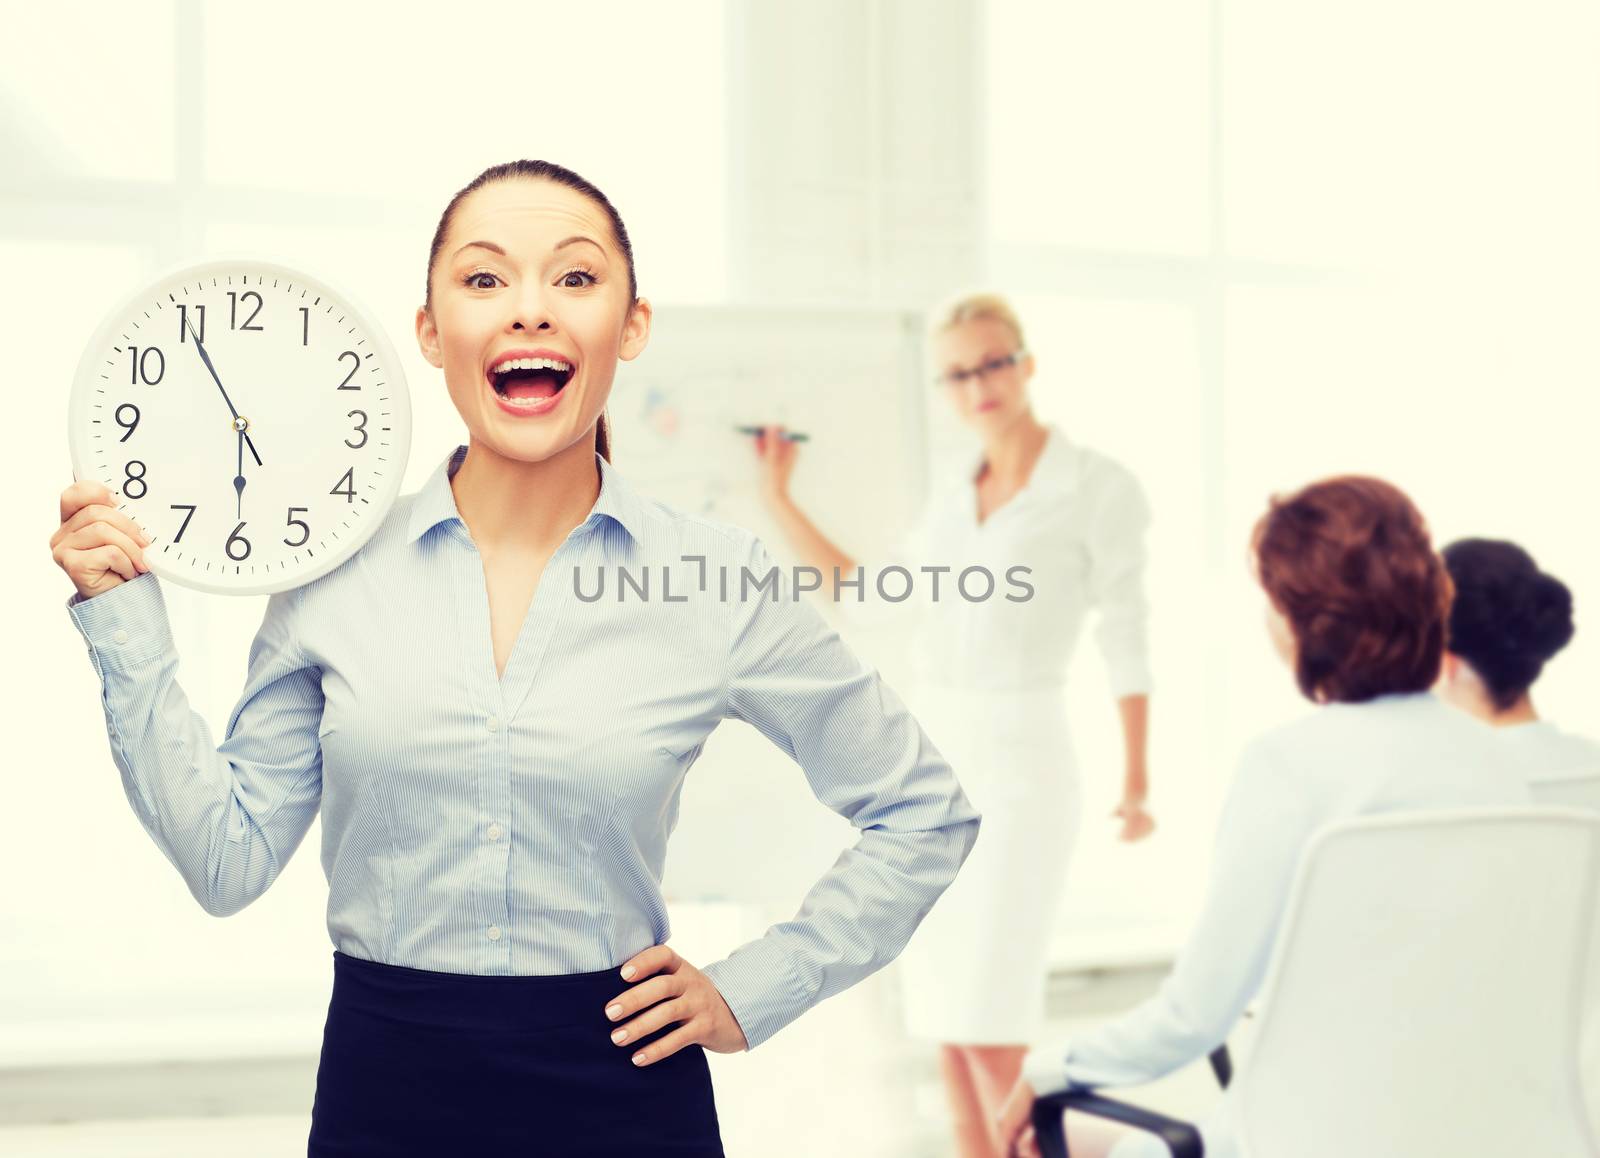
(251, 418)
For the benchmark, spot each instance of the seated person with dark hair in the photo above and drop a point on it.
(1508, 620)
(1357, 606)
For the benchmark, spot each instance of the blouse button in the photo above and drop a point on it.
(120, 636)
(492, 723)
(494, 832)
(494, 932)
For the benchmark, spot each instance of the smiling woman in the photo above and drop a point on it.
(498, 765)
(478, 271)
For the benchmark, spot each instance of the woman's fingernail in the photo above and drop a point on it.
(620, 1036)
(613, 1011)
(627, 972)
(638, 1059)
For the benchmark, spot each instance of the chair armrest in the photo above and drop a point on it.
(1181, 1138)
(1222, 1065)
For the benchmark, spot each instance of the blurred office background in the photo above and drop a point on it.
(1253, 242)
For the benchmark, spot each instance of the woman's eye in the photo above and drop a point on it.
(472, 279)
(571, 273)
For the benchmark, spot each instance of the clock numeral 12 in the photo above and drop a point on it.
(233, 310)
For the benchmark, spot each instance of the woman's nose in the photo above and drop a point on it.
(531, 311)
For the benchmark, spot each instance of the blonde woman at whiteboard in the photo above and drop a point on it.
(989, 656)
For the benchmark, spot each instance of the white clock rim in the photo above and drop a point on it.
(84, 381)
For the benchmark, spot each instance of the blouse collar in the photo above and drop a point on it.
(1054, 470)
(435, 503)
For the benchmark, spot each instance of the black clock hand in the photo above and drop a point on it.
(239, 480)
(206, 358)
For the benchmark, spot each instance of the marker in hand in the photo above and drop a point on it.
(787, 435)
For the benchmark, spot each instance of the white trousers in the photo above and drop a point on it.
(974, 972)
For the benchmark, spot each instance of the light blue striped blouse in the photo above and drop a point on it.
(518, 825)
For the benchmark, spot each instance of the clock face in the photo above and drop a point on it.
(251, 418)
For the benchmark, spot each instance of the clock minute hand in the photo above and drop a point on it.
(206, 358)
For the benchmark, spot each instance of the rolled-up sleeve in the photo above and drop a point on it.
(228, 817)
(865, 757)
(1117, 555)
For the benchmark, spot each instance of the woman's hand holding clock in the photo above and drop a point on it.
(97, 545)
(679, 994)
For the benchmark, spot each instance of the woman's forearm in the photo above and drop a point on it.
(814, 548)
(1135, 713)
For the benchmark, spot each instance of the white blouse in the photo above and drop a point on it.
(1395, 753)
(1077, 526)
(1544, 752)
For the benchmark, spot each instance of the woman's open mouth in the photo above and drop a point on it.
(529, 384)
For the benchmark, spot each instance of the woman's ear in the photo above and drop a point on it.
(635, 330)
(428, 338)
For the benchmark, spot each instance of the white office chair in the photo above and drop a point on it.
(1578, 790)
(1581, 790)
(1426, 997)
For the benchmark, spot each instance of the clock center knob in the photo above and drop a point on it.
(241, 424)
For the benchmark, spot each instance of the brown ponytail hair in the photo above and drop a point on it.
(541, 171)
(1349, 563)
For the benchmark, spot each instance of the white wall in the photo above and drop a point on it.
(1257, 242)
(1254, 241)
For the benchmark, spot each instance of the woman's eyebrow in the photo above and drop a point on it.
(489, 245)
(482, 245)
(579, 237)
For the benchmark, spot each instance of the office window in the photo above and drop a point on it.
(436, 105)
(101, 106)
(1097, 124)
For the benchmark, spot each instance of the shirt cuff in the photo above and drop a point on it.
(761, 987)
(1045, 1069)
(1130, 680)
(125, 626)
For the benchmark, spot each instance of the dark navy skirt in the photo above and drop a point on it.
(419, 1064)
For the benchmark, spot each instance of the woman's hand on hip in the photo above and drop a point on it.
(667, 989)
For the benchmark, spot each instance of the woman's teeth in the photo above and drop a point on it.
(531, 364)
